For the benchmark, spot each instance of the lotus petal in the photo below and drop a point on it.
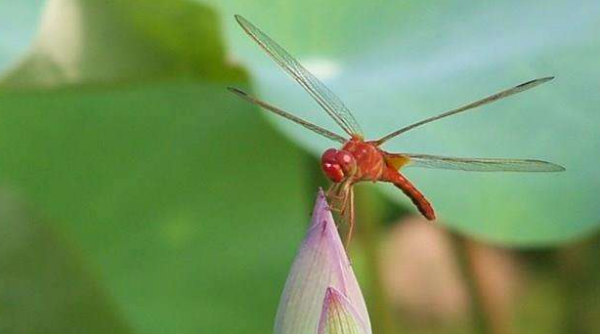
(321, 264)
(339, 316)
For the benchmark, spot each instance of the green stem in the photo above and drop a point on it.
(578, 269)
(468, 273)
(369, 223)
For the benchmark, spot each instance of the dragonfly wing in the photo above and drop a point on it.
(334, 107)
(315, 128)
(492, 98)
(480, 165)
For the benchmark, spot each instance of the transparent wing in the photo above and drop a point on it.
(295, 119)
(481, 165)
(334, 107)
(492, 98)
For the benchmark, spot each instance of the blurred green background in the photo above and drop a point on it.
(137, 195)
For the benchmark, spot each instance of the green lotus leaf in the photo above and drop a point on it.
(119, 130)
(396, 63)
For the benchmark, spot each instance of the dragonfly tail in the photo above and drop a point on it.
(418, 199)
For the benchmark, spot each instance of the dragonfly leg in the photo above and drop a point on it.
(350, 218)
(341, 196)
(336, 197)
(334, 191)
(347, 209)
(345, 198)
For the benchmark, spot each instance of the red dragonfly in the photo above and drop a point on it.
(359, 160)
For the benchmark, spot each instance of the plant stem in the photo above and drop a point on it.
(369, 216)
(477, 311)
(578, 266)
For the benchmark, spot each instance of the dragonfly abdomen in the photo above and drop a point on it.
(418, 199)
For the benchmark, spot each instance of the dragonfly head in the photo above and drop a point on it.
(338, 164)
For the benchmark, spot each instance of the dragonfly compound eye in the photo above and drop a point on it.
(333, 171)
(330, 156)
(346, 161)
(331, 166)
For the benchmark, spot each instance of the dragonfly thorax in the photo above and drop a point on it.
(369, 159)
(338, 165)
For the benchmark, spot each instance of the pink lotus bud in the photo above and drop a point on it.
(321, 294)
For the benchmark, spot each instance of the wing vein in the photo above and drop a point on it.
(315, 128)
(481, 164)
(492, 98)
(332, 105)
